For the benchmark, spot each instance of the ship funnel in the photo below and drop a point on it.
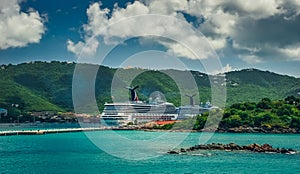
(133, 93)
(191, 99)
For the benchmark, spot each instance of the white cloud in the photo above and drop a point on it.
(256, 10)
(292, 51)
(219, 23)
(254, 28)
(17, 28)
(99, 24)
(225, 69)
(251, 59)
(258, 30)
(167, 7)
(87, 49)
(180, 50)
(290, 9)
(75, 48)
(218, 43)
(251, 50)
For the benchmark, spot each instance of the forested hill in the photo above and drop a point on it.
(253, 85)
(38, 86)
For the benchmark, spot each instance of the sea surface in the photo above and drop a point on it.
(76, 153)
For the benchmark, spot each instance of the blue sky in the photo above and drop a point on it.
(263, 35)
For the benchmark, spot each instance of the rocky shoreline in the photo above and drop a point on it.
(241, 129)
(245, 129)
(265, 148)
(230, 130)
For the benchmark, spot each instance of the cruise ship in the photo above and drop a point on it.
(136, 111)
(192, 110)
(188, 111)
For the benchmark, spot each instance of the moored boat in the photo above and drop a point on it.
(136, 111)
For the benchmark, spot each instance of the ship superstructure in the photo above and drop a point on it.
(136, 111)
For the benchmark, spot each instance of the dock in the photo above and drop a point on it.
(54, 131)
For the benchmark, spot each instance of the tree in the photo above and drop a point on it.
(227, 113)
(14, 113)
(232, 121)
(291, 100)
(200, 121)
(284, 110)
(262, 118)
(295, 123)
(244, 115)
(265, 103)
(250, 105)
(239, 106)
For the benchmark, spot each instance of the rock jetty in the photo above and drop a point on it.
(59, 130)
(265, 148)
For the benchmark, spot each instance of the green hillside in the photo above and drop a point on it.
(254, 85)
(13, 93)
(42, 86)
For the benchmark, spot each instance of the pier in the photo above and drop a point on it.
(53, 131)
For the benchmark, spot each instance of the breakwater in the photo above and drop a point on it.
(52, 131)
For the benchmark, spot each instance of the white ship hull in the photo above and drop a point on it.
(123, 113)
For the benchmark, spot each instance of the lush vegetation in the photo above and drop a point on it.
(265, 113)
(42, 86)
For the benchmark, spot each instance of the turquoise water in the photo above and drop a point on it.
(75, 153)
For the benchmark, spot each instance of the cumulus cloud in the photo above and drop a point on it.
(225, 69)
(258, 10)
(256, 30)
(292, 51)
(18, 29)
(251, 59)
(264, 29)
(87, 49)
(218, 43)
(101, 23)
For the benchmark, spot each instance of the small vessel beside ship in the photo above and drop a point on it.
(135, 111)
